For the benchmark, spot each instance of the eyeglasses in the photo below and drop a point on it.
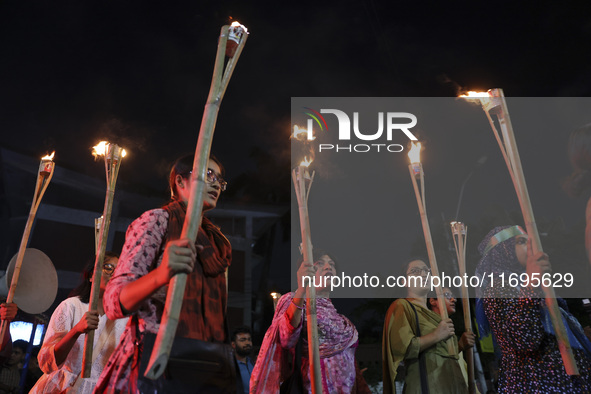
(212, 177)
(419, 271)
(449, 295)
(108, 269)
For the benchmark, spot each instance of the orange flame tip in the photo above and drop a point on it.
(414, 154)
(301, 134)
(100, 149)
(48, 157)
(306, 162)
(237, 24)
(473, 94)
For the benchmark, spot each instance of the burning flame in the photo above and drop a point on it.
(48, 157)
(275, 295)
(414, 154)
(237, 24)
(101, 149)
(472, 94)
(306, 162)
(301, 134)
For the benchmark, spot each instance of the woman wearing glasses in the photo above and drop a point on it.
(60, 357)
(151, 256)
(416, 337)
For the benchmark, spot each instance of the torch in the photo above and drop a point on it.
(231, 42)
(460, 233)
(302, 181)
(45, 173)
(493, 103)
(418, 176)
(112, 154)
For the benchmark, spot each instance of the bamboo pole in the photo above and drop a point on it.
(495, 104)
(176, 288)
(460, 233)
(113, 155)
(45, 173)
(98, 223)
(300, 175)
(416, 171)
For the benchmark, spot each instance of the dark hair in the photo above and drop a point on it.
(579, 153)
(82, 291)
(183, 166)
(404, 268)
(432, 295)
(240, 330)
(21, 344)
(317, 253)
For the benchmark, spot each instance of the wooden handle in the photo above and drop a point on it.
(176, 290)
(43, 180)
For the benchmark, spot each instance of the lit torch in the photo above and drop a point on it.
(112, 154)
(302, 181)
(229, 36)
(418, 177)
(494, 104)
(460, 233)
(44, 176)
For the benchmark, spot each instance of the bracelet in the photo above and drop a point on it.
(297, 306)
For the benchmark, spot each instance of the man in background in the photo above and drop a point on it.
(242, 345)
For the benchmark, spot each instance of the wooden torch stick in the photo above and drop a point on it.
(460, 233)
(493, 102)
(176, 288)
(44, 176)
(113, 155)
(416, 171)
(98, 222)
(300, 175)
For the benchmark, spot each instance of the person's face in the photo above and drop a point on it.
(108, 269)
(17, 356)
(243, 344)
(109, 266)
(212, 190)
(521, 249)
(213, 187)
(450, 300)
(325, 267)
(418, 268)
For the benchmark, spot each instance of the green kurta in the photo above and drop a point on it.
(400, 343)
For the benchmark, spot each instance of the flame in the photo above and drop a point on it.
(48, 157)
(100, 149)
(306, 162)
(472, 94)
(275, 295)
(301, 134)
(414, 154)
(237, 24)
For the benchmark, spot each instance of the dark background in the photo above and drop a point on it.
(138, 73)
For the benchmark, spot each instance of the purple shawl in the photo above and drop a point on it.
(336, 334)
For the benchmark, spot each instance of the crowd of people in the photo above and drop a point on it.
(421, 351)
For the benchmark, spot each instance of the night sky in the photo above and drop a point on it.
(138, 74)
